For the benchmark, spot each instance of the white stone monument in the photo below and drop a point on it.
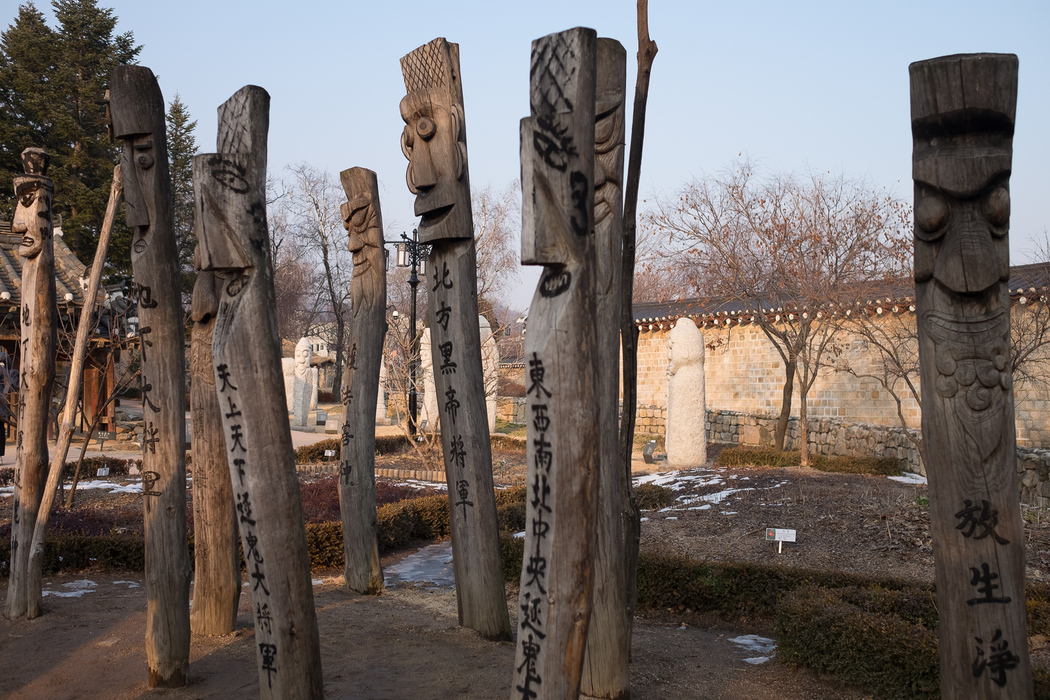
(686, 439)
(490, 369)
(304, 384)
(381, 418)
(288, 369)
(428, 406)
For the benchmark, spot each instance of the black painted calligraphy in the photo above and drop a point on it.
(452, 404)
(553, 144)
(531, 650)
(236, 435)
(447, 365)
(347, 435)
(233, 408)
(263, 618)
(463, 489)
(443, 315)
(444, 280)
(145, 342)
(224, 376)
(269, 664)
(149, 480)
(979, 522)
(244, 508)
(145, 295)
(998, 662)
(150, 439)
(984, 580)
(352, 362)
(457, 455)
(239, 463)
(536, 372)
(146, 389)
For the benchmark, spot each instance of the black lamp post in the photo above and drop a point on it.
(410, 253)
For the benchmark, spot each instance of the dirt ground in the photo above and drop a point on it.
(406, 643)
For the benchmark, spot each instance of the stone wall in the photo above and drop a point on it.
(510, 409)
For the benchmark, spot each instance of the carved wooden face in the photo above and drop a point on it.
(361, 223)
(433, 141)
(608, 159)
(137, 162)
(961, 236)
(32, 216)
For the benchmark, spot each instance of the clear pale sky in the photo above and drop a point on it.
(798, 86)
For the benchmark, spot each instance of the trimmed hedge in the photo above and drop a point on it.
(769, 457)
(385, 445)
(652, 496)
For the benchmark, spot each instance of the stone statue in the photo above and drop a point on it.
(435, 143)
(229, 190)
(428, 408)
(136, 109)
(33, 196)
(686, 438)
(609, 635)
(366, 330)
(381, 417)
(962, 111)
(561, 356)
(304, 383)
(490, 369)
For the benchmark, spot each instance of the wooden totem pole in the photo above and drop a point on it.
(136, 109)
(561, 355)
(435, 143)
(962, 110)
(217, 564)
(363, 220)
(34, 193)
(230, 219)
(609, 636)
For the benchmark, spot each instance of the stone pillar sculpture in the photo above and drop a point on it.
(962, 110)
(428, 407)
(136, 109)
(435, 143)
(381, 417)
(217, 563)
(230, 219)
(609, 637)
(561, 355)
(366, 330)
(490, 369)
(304, 386)
(686, 440)
(33, 196)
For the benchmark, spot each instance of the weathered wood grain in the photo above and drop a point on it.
(609, 635)
(962, 123)
(137, 110)
(434, 141)
(34, 193)
(561, 354)
(249, 382)
(366, 327)
(217, 564)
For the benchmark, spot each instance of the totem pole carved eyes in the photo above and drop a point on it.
(932, 213)
(996, 209)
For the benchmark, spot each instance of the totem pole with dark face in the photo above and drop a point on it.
(136, 109)
(363, 220)
(434, 141)
(963, 123)
(32, 219)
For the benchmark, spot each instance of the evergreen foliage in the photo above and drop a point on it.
(182, 146)
(52, 85)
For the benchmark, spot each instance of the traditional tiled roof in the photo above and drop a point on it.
(1027, 283)
(69, 271)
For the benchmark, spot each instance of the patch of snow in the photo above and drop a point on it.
(721, 495)
(76, 589)
(521, 535)
(909, 478)
(419, 484)
(671, 517)
(753, 642)
(316, 581)
(728, 512)
(756, 660)
(703, 507)
(641, 520)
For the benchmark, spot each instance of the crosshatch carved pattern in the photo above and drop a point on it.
(427, 67)
(555, 59)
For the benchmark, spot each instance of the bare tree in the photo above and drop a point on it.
(497, 228)
(659, 276)
(788, 251)
(314, 219)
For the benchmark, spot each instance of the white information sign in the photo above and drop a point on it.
(777, 534)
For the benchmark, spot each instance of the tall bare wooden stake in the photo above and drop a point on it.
(609, 636)
(137, 112)
(962, 110)
(435, 143)
(217, 563)
(33, 193)
(230, 219)
(363, 220)
(561, 352)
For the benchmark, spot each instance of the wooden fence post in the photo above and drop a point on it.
(33, 195)
(230, 219)
(435, 143)
(363, 220)
(217, 563)
(609, 636)
(136, 109)
(561, 352)
(962, 111)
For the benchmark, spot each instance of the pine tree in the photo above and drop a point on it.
(52, 84)
(182, 146)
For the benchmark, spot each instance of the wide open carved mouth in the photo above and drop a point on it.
(28, 242)
(436, 216)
